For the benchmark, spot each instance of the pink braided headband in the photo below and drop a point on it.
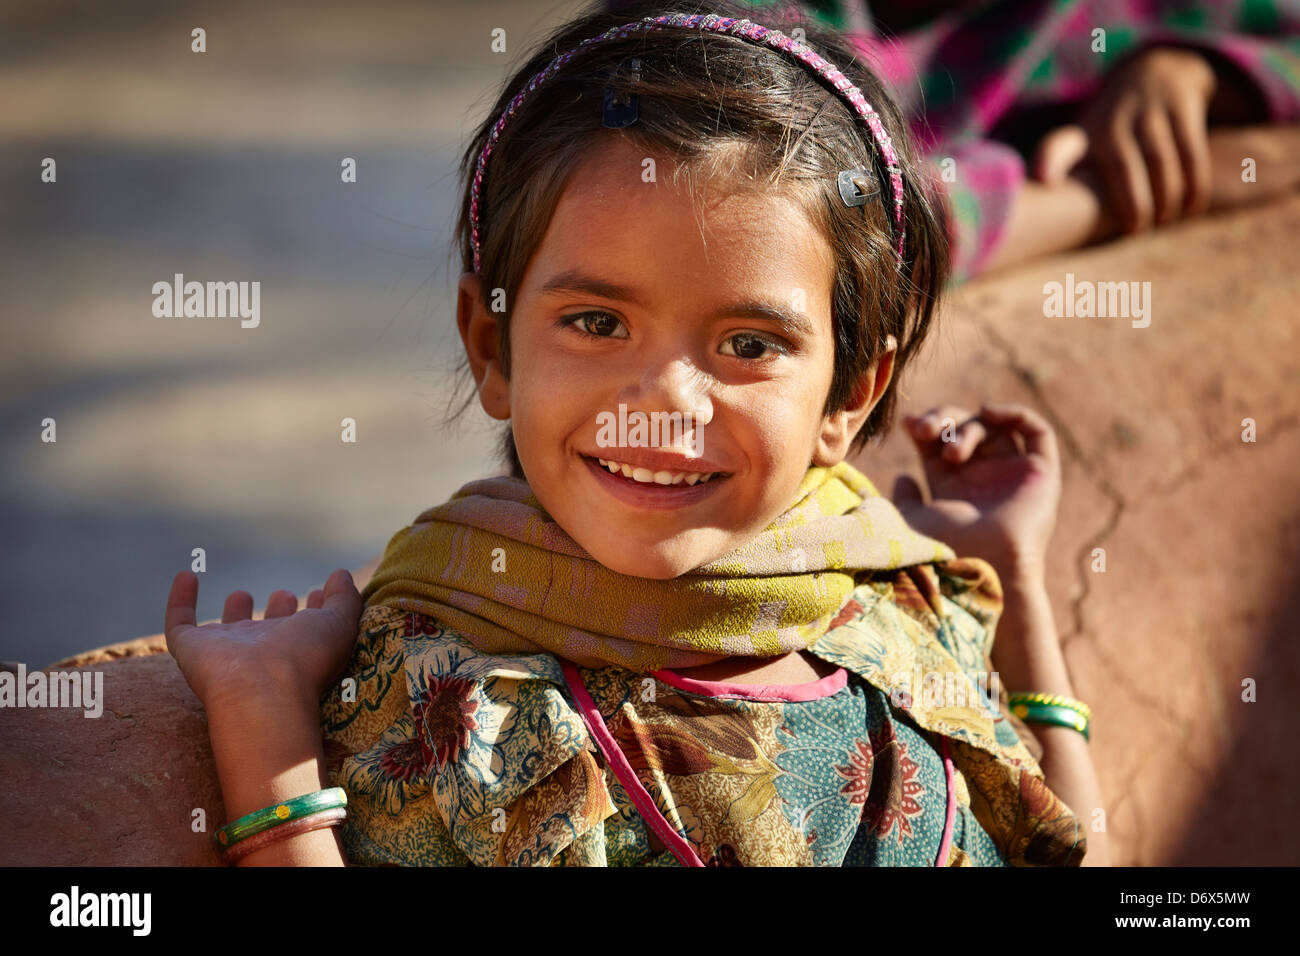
(747, 30)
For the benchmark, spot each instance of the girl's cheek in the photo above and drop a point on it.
(558, 368)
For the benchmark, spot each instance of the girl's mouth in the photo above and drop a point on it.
(652, 495)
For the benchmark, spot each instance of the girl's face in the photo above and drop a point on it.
(718, 311)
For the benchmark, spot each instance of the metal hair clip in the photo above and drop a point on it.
(622, 110)
(857, 186)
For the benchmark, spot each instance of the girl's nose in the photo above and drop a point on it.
(672, 385)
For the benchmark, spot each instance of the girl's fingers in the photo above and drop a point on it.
(238, 607)
(180, 607)
(967, 437)
(930, 425)
(280, 604)
(343, 602)
(1038, 436)
(341, 594)
(949, 433)
(926, 431)
(1164, 168)
(1059, 152)
(1188, 122)
(1125, 172)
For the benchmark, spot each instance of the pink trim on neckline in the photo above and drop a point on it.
(673, 841)
(946, 843)
(794, 693)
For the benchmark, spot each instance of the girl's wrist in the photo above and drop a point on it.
(259, 733)
(267, 751)
(1025, 582)
(1021, 572)
(258, 785)
(1026, 649)
(258, 696)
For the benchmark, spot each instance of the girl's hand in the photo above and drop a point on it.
(994, 484)
(1145, 135)
(291, 651)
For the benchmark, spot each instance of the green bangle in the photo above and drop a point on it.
(278, 813)
(1036, 712)
(1057, 700)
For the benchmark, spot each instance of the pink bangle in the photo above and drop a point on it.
(282, 831)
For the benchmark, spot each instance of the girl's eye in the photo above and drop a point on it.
(584, 322)
(751, 346)
(748, 342)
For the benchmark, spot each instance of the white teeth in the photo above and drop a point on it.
(646, 476)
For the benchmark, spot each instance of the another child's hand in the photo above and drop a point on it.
(291, 651)
(1145, 134)
(994, 484)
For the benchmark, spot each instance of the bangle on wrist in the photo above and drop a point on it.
(1055, 709)
(290, 828)
(279, 815)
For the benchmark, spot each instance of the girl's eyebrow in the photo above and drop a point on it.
(575, 281)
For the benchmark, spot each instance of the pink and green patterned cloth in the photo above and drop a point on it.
(977, 75)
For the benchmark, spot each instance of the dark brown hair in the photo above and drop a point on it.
(705, 100)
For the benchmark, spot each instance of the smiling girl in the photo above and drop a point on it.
(717, 652)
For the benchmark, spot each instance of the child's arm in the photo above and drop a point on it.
(1149, 147)
(1027, 655)
(1046, 219)
(267, 747)
(261, 683)
(994, 483)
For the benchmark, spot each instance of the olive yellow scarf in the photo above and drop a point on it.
(776, 593)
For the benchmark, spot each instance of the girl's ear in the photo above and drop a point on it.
(480, 335)
(838, 429)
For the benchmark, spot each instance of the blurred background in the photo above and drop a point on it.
(183, 433)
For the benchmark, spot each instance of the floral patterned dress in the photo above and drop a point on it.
(454, 757)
